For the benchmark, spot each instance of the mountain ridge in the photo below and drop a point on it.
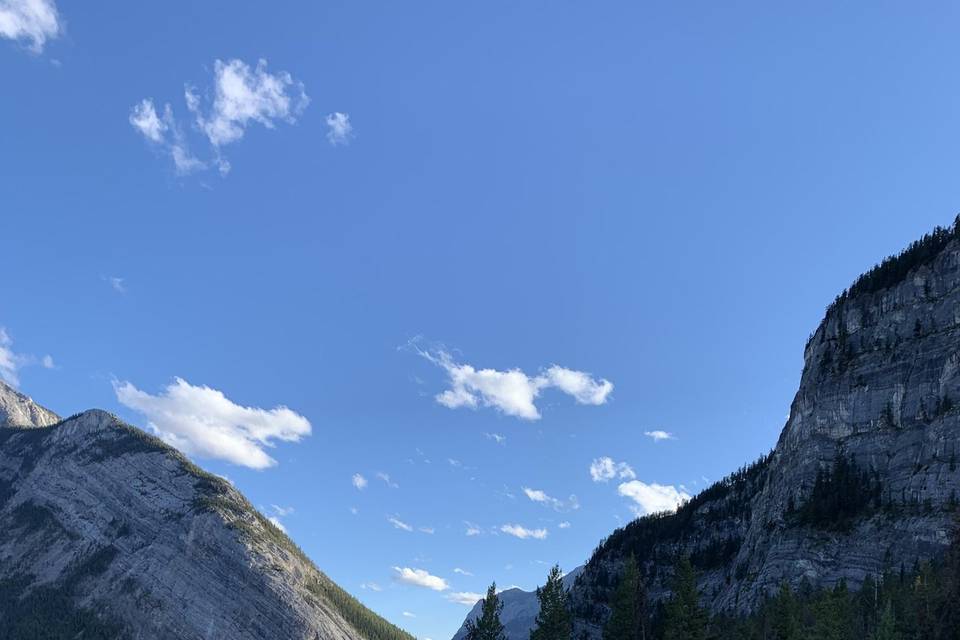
(124, 533)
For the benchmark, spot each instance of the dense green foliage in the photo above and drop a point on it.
(488, 625)
(894, 269)
(553, 621)
(839, 495)
(684, 618)
(628, 614)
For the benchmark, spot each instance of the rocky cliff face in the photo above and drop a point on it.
(880, 388)
(106, 532)
(17, 410)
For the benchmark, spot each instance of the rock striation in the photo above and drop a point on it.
(879, 393)
(107, 532)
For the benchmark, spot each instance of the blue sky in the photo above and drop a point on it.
(661, 196)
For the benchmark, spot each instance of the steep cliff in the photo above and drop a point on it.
(107, 532)
(864, 476)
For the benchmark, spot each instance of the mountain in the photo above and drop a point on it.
(864, 476)
(520, 609)
(107, 532)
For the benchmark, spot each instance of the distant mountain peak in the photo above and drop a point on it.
(19, 410)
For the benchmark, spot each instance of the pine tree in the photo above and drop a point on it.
(488, 625)
(554, 621)
(628, 618)
(684, 619)
(887, 627)
(785, 621)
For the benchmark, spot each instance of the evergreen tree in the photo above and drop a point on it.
(628, 618)
(554, 621)
(684, 618)
(488, 625)
(785, 616)
(887, 627)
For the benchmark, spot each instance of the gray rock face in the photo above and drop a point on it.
(122, 531)
(520, 609)
(17, 410)
(881, 384)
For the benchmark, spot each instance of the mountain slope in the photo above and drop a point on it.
(107, 532)
(864, 476)
(520, 609)
(17, 410)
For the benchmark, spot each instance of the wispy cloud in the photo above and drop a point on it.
(511, 392)
(241, 95)
(536, 495)
(523, 533)
(399, 524)
(462, 572)
(359, 482)
(11, 362)
(202, 421)
(564, 525)
(659, 435)
(472, 529)
(466, 598)
(652, 498)
(605, 469)
(387, 480)
(372, 586)
(116, 283)
(407, 614)
(496, 437)
(275, 521)
(31, 22)
(420, 578)
(339, 128)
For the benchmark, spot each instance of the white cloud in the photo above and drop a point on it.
(428, 530)
(420, 578)
(32, 22)
(372, 586)
(48, 362)
(604, 469)
(399, 524)
(541, 497)
(386, 478)
(242, 95)
(466, 598)
(523, 533)
(202, 421)
(281, 512)
(276, 522)
(496, 437)
(359, 481)
(511, 392)
(407, 614)
(652, 498)
(11, 362)
(340, 129)
(472, 529)
(564, 525)
(659, 435)
(354, 510)
(462, 572)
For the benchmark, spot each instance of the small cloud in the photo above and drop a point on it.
(523, 533)
(31, 22)
(372, 586)
(11, 362)
(276, 522)
(386, 479)
(359, 482)
(428, 530)
(512, 392)
(605, 469)
(496, 437)
(202, 421)
(454, 463)
(659, 435)
(340, 130)
(652, 498)
(117, 284)
(354, 510)
(407, 614)
(472, 529)
(420, 578)
(462, 572)
(466, 598)
(564, 525)
(399, 524)
(281, 512)
(541, 497)
(48, 362)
